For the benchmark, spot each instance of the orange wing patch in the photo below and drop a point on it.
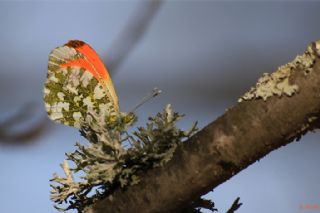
(94, 65)
(78, 88)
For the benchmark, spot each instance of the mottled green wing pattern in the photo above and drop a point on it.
(72, 94)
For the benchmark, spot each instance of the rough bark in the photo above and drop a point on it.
(244, 134)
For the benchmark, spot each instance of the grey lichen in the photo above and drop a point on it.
(278, 83)
(106, 164)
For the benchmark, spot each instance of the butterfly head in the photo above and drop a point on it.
(121, 121)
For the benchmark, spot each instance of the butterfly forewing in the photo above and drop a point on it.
(78, 88)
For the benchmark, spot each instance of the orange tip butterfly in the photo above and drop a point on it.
(78, 89)
(79, 92)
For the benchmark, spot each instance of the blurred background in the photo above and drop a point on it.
(202, 54)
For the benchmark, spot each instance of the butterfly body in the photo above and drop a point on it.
(78, 89)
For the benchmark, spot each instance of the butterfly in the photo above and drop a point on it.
(78, 90)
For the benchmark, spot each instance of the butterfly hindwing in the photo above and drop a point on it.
(78, 88)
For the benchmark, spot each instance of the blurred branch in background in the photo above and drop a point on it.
(10, 133)
(24, 126)
(132, 33)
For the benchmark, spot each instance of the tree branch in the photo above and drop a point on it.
(244, 134)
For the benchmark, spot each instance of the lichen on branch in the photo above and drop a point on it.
(278, 83)
(106, 164)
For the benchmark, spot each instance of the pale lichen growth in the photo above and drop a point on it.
(278, 83)
(107, 164)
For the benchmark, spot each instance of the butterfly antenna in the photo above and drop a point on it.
(155, 92)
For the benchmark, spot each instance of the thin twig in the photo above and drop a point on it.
(131, 35)
(235, 206)
(25, 114)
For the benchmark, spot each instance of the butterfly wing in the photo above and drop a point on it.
(78, 88)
